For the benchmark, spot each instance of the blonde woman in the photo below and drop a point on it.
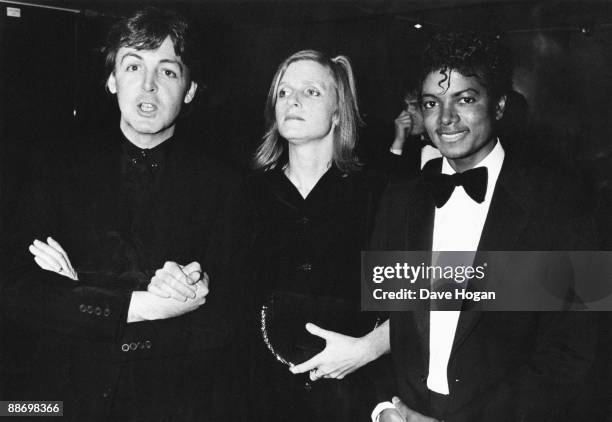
(315, 205)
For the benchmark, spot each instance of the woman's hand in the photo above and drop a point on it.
(343, 354)
(51, 256)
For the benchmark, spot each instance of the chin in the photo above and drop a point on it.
(451, 150)
(148, 129)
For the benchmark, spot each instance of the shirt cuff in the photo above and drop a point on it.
(379, 408)
(396, 151)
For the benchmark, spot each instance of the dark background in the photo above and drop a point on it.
(52, 75)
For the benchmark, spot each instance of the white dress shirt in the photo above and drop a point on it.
(457, 227)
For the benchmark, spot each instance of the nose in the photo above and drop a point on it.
(294, 99)
(149, 81)
(449, 115)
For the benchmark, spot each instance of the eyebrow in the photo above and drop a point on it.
(172, 61)
(163, 61)
(307, 82)
(455, 94)
(130, 54)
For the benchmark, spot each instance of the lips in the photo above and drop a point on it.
(287, 118)
(147, 107)
(452, 135)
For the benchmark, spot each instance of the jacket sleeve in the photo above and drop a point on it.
(95, 307)
(43, 299)
(214, 325)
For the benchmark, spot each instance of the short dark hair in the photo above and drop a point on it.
(472, 54)
(147, 29)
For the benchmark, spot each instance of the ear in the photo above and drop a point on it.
(191, 92)
(335, 119)
(500, 107)
(111, 83)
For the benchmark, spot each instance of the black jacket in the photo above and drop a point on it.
(307, 257)
(510, 366)
(79, 347)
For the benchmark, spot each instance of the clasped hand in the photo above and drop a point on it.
(174, 290)
(178, 281)
(187, 285)
(402, 413)
(146, 306)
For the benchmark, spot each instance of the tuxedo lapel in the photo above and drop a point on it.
(420, 213)
(419, 236)
(506, 220)
(419, 219)
(509, 210)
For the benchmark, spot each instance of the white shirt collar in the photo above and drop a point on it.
(493, 162)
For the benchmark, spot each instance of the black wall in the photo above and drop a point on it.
(37, 73)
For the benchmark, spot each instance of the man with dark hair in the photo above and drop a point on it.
(410, 141)
(111, 298)
(460, 365)
(147, 29)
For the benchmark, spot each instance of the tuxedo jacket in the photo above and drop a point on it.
(71, 337)
(503, 365)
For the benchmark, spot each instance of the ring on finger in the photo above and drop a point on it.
(314, 373)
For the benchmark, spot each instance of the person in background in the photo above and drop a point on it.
(411, 141)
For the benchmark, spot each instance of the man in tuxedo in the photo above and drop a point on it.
(463, 365)
(107, 307)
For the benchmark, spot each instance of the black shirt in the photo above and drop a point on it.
(312, 245)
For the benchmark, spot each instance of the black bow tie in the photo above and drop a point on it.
(474, 183)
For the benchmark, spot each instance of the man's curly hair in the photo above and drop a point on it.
(471, 54)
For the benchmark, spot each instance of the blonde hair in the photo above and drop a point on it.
(273, 149)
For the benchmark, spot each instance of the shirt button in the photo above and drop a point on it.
(125, 347)
(107, 312)
(148, 344)
(98, 311)
(133, 346)
(307, 386)
(458, 380)
(82, 307)
(305, 267)
(90, 309)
